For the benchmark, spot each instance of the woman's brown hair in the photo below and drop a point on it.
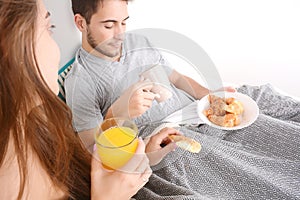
(31, 115)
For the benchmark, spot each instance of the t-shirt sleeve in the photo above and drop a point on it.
(81, 98)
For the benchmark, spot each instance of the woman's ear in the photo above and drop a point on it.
(80, 22)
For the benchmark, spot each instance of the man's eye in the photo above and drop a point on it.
(108, 27)
(123, 24)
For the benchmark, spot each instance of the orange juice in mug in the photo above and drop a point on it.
(116, 142)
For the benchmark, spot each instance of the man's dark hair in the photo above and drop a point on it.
(87, 8)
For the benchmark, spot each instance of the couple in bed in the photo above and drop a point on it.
(261, 161)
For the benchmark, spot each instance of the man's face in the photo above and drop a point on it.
(105, 33)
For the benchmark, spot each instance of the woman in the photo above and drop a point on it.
(40, 156)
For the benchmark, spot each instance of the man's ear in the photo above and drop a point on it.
(80, 22)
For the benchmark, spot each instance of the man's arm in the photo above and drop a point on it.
(188, 85)
(88, 138)
(81, 99)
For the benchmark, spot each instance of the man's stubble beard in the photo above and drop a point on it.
(101, 48)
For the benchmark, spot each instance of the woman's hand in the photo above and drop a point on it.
(159, 145)
(122, 183)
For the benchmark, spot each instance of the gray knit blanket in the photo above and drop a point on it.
(261, 161)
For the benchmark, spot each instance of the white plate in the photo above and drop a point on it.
(250, 114)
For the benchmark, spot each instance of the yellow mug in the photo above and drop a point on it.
(116, 141)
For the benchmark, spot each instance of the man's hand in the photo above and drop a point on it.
(226, 89)
(134, 102)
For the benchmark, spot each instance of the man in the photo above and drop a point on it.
(104, 81)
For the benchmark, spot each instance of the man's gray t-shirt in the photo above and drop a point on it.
(94, 84)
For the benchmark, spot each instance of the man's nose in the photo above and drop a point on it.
(119, 32)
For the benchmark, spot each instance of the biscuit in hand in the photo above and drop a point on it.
(186, 143)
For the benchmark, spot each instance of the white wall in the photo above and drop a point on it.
(65, 34)
(250, 41)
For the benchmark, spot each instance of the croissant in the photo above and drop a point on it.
(235, 107)
(224, 111)
(228, 120)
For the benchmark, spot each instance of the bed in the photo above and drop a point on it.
(261, 161)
